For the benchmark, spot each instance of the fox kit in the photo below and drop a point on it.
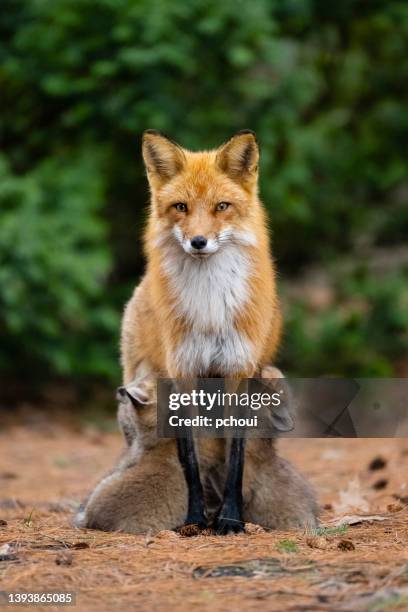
(146, 490)
(207, 305)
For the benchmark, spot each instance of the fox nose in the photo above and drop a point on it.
(198, 242)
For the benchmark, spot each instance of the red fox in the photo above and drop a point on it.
(207, 305)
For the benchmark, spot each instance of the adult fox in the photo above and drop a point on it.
(207, 304)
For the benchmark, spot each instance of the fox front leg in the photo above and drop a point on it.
(230, 517)
(189, 463)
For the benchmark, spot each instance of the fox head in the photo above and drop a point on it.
(203, 200)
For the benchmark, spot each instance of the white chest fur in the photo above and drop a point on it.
(209, 294)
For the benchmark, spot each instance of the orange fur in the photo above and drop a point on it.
(153, 326)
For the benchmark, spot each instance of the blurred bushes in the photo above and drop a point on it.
(54, 270)
(323, 84)
(356, 325)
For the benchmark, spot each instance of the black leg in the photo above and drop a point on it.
(189, 463)
(230, 517)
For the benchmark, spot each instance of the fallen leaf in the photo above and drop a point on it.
(356, 519)
(352, 498)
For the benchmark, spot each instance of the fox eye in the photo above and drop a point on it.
(180, 207)
(222, 206)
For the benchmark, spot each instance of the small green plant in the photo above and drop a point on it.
(330, 531)
(287, 546)
(28, 520)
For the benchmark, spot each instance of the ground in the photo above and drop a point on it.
(46, 468)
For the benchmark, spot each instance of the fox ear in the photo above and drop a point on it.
(163, 158)
(136, 393)
(239, 157)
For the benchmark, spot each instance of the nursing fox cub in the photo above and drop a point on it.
(146, 490)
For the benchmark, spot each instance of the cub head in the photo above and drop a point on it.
(203, 200)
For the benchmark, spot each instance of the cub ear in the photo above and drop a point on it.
(239, 157)
(163, 158)
(131, 393)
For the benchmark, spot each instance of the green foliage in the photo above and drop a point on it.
(287, 546)
(323, 84)
(364, 327)
(54, 264)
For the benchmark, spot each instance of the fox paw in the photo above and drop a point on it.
(228, 526)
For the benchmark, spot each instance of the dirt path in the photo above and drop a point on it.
(46, 469)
